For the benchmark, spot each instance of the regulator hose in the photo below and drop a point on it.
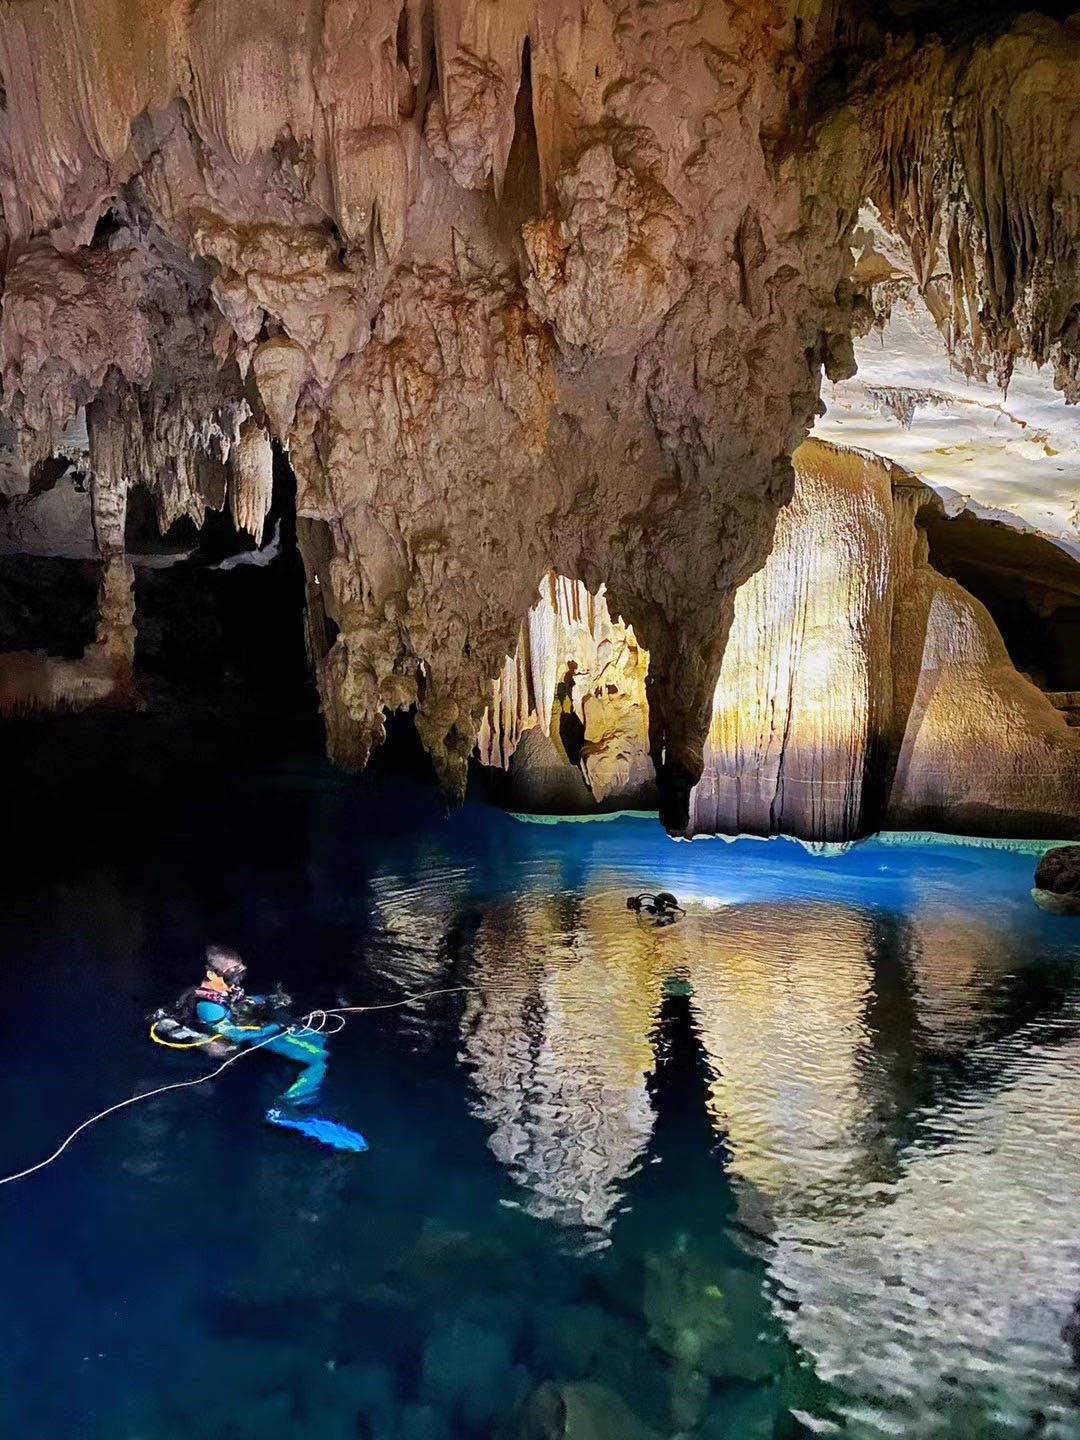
(317, 1020)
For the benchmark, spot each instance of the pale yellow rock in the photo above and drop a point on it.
(251, 480)
(804, 697)
(982, 745)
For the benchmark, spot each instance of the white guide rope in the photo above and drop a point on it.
(317, 1020)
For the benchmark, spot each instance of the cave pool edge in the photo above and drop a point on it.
(801, 1161)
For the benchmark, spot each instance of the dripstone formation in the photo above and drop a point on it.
(545, 286)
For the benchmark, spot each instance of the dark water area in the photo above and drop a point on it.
(805, 1162)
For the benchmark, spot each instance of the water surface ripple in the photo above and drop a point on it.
(805, 1162)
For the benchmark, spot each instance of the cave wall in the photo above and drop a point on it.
(860, 688)
(802, 711)
(542, 286)
(984, 751)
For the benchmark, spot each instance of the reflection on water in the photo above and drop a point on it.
(559, 1047)
(896, 1084)
(805, 1162)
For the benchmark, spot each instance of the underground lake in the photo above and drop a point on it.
(802, 1162)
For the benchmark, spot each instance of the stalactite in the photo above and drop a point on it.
(251, 480)
(228, 213)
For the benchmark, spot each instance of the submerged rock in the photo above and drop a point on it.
(422, 1422)
(1057, 880)
(577, 1412)
(709, 1319)
(743, 1415)
(468, 1372)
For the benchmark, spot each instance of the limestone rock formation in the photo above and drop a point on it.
(535, 288)
(979, 184)
(984, 751)
(802, 709)
(573, 695)
(1057, 880)
(859, 688)
(521, 288)
(581, 1411)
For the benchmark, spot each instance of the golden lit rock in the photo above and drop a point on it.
(859, 686)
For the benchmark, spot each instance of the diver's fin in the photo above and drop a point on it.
(328, 1132)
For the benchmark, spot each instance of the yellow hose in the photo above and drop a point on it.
(195, 1044)
(188, 1045)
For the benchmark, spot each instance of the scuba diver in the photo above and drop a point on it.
(218, 1014)
(220, 1017)
(663, 906)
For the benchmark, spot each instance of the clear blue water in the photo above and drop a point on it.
(806, 1162)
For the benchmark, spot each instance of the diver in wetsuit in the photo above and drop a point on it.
(221, 1006)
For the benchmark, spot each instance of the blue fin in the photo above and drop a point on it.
(329, 1132)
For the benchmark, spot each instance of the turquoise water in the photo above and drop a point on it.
(806, 1162)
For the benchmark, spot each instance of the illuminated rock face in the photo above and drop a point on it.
(859, 687)
(802, 709)
(530, 287)
(983, 749)
(568, 717)
(519, 288)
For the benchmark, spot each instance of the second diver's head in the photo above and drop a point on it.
(226, 963)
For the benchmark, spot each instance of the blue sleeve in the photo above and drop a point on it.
(245, 1033)
(218, 1017)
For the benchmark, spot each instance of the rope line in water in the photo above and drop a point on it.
(316, 1020)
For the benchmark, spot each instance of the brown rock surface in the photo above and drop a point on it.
(1059, 870)
(1057, 881)
(520, 288)
(859, 687)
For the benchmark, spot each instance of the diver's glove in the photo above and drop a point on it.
(279, 1005)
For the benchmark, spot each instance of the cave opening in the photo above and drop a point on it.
(566, 729)
(219, 618)
(1030, 586)
(221, 670)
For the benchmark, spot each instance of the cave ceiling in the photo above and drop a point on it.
(543, 284)
(1010, 453)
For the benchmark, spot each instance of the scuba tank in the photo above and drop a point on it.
(177, 1027)
(663, 906)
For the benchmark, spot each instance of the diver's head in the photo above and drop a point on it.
(220, 960)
